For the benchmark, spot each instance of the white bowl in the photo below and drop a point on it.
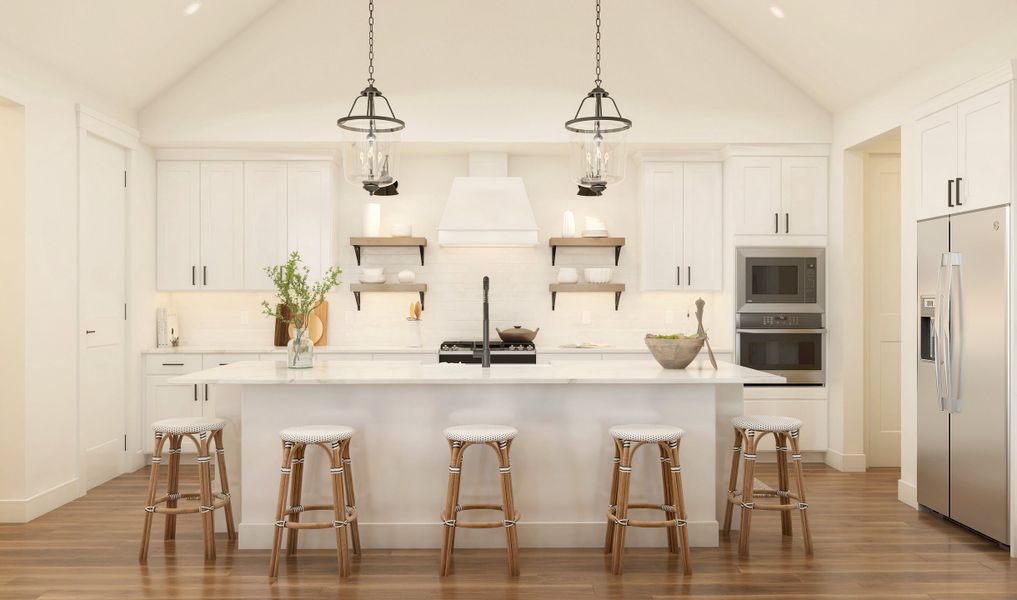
(598, 274)
(366, 279)
(402, 230)
(568, 275)
(373, 271)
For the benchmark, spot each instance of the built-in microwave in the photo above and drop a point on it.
(781, 279)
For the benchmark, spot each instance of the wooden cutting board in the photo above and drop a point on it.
(318, 326)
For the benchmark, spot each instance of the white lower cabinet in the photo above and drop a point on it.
(165, 400)
(811, 411)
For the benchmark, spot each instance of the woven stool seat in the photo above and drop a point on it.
(316, 434)
(760, 423)
(480, 434)
(188, 425)
(646, 433)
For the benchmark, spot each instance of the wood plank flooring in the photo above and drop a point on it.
(867, 546)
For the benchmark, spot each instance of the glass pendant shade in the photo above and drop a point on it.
(370, 144)
(597, 149)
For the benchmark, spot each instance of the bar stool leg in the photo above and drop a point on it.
(508, 506)
(339, 500)
(669, 500)
(280, 510)
(796, 458)
(224, 486)
(613, 505)
(205, 495)
(351, 498)
(296, 493)
(624, 475)
(748, 491)
(153, 479)
(173, 486)
(732, 485)
(456, 450)
(678, 493)
(783, 482)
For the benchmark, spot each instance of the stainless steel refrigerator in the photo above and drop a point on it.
(963, 421)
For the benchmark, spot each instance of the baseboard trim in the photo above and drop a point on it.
(907, 493)
(531, 535)
(24, 510)
(846, 463)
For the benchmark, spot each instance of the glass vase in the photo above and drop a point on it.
(300, 350)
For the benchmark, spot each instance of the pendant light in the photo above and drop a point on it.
(597, 147)
(371, 146)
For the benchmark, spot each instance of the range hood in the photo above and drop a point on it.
(488, 208)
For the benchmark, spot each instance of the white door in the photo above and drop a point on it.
(168, 401)
(984, 155)
(309, 213)
(754, 184)
(222, 225)
(102, 292)
(662, 225)
(178, 225)
(882, 310)
(702, 214)
(803, 190)
(937, 138)
(264, 221)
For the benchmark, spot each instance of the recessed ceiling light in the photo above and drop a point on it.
(192, 8)
(777, 11)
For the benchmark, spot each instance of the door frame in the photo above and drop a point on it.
(94, 123)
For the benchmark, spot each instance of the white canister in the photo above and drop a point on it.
(568, 224)
(372, 219)
(407, 276)
(402, 230)
(568, 275)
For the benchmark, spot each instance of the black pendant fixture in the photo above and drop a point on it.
(597, 131)
(371, 146)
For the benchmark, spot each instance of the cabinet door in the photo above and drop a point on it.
(264, 221)
(755, 194)
(164, 400)
(937, 138)
(222, 225)
(178, 222)
(662, 231)
(309, 214)
(984, 155)
(702, 215)
(803, 191)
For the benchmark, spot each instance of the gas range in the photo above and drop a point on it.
(469, 352)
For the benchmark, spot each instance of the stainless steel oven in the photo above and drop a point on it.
(781, 279)
(786, 344)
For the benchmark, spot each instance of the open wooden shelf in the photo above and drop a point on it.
(388, 242)
(357, 288)
(581, 242)
(617, 288)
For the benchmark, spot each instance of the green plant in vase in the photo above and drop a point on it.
(297, 299)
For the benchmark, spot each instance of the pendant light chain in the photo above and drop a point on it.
(598, 80)
(370, 42)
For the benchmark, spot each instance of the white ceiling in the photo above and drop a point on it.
(841, 51)
(129, 50)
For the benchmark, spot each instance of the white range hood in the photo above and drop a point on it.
(488, 208)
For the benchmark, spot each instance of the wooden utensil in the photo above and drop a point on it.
(702, 332)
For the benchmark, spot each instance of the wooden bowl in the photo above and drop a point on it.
(674, 353)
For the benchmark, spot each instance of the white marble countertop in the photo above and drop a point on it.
(541, 350)
(395, 372)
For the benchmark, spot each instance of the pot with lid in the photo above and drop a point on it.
(517, 334)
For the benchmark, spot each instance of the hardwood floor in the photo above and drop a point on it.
(867, 546)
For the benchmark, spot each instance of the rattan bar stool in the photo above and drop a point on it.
(785, 431)
(203, 432)
(498, 437)
(335, 441)
(628, 439)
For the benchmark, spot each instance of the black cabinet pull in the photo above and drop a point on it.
(678, 270)
(958, 190)
(195, 392)
(172, 364)
(206, 392)
(193, 275)
(787, 222)
(87, 331)
(688, 279)
(204, 275)
(776, 222)
(949, 193)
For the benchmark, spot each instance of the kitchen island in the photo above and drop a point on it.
(562, 458)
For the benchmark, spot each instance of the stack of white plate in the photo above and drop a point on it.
(372, 275)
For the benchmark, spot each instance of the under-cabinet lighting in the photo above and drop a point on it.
(192, 8)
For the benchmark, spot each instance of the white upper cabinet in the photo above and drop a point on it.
(682, 213)
(966, 154)
(222, 225)
(774, 195)
(265, 218)
(178, 218)
(310, 214)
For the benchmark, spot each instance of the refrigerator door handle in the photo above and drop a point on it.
(956, 346)
(941, 352)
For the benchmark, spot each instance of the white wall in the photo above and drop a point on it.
(50, 294)
(460, 71)
(519, 276)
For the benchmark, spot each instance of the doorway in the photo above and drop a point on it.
(103, 310)
(882, 301)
